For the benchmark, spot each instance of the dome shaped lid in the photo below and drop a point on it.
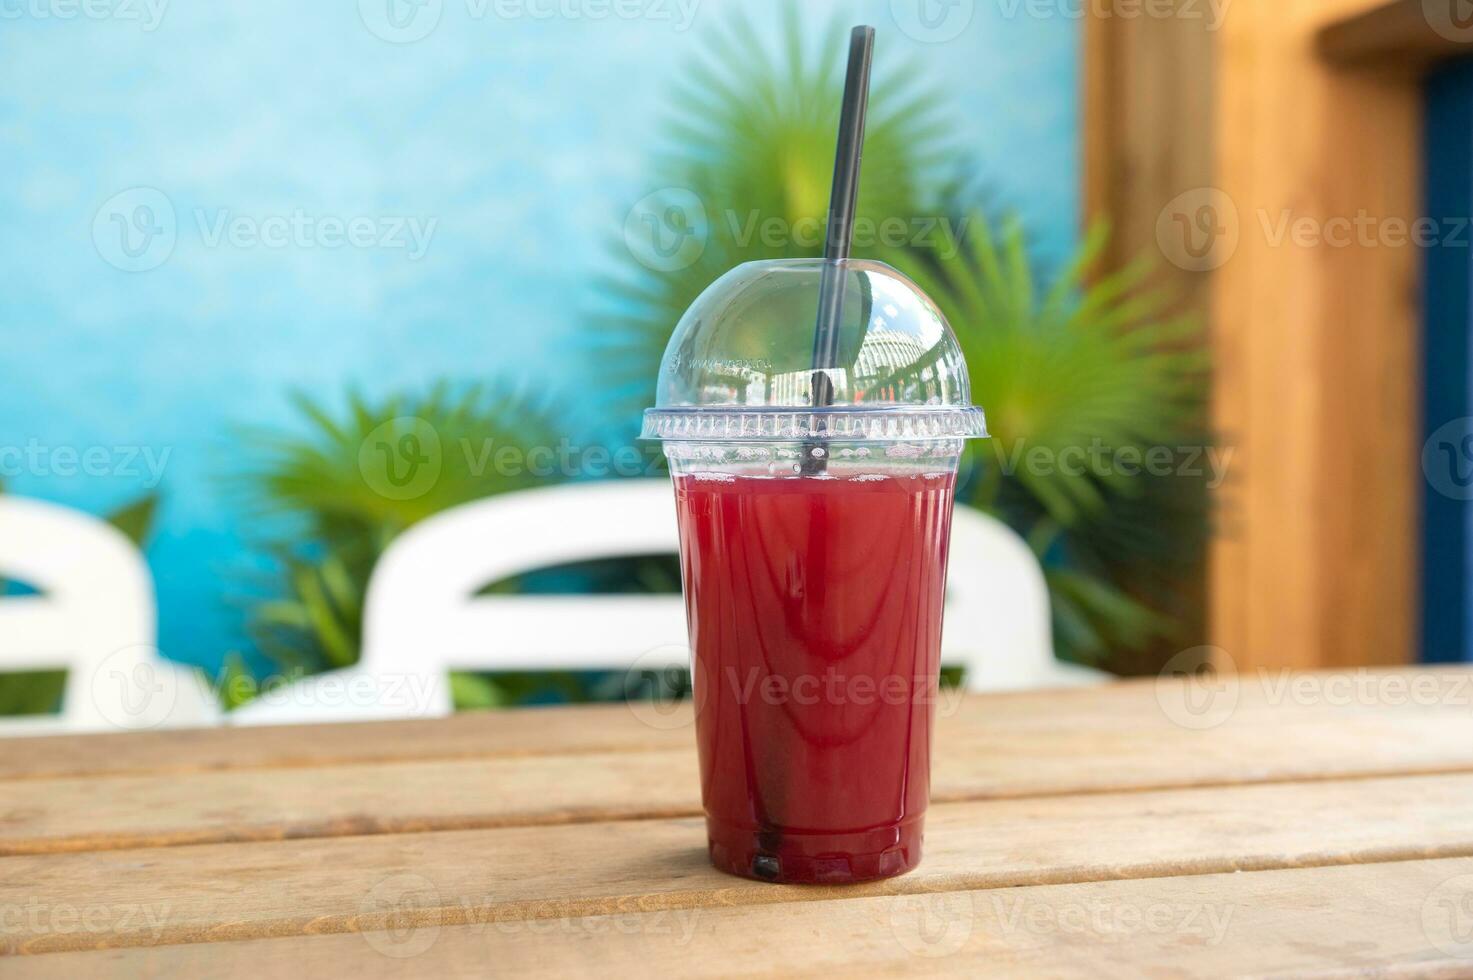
(740, 365)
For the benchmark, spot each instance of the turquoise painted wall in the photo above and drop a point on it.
(522, 137)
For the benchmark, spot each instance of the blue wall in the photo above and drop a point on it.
(523, 139)
(1448, 320)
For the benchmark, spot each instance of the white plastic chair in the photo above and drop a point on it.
(998, 624)
(94, 617)
(423, 619)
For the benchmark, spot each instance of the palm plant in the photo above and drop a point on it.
(1074, 379)
(326, 512)
(1089, 361)
(752, 139)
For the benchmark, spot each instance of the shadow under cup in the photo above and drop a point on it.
(814, 603)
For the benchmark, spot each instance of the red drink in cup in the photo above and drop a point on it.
(814, 510)
(815, 619)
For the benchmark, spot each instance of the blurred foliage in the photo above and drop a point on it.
(1089, 360)
(39, 692)
(752, 138)
(1090, 368)
(1086, 359)
(327, 512)
(320, 493)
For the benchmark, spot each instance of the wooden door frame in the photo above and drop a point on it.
(1315, 119)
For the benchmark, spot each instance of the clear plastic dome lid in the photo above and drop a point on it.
(740, 365)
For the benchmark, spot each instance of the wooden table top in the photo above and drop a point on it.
(1309, 824)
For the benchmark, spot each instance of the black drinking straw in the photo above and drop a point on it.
(839, 236)
(837, 240)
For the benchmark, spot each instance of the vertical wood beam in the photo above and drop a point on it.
(1316, 346)
(1147, 105)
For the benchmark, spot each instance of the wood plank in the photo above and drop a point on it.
(296, 887)
(471, 734)
(37, 816)
(1381, 919)
(1395, 36)
(973, 719)
(993, 748)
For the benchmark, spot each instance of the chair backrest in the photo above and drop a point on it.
(421, 609)
(998, 623)
(422, 614)
(94, 617)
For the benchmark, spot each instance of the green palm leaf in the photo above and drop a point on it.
(1081, 361)
(326, 515)
(754, 143)
(1079, 385)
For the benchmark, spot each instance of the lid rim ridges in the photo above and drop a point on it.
(839, 424)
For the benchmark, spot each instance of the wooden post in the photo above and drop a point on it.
(1315, 333)
(1302, 260)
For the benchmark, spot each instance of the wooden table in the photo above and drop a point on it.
(1317, 825)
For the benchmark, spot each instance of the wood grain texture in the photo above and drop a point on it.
(626, 728)
(1361, 920)
(1076, 833)
(1392, 36)
(1147, 137)
(471, 734)
(348, 884)
(987, 747)
(1315, 346)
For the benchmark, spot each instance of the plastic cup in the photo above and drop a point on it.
(814, 519)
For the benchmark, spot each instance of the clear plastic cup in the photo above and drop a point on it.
(814, 510)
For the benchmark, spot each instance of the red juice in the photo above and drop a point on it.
(814, 606)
